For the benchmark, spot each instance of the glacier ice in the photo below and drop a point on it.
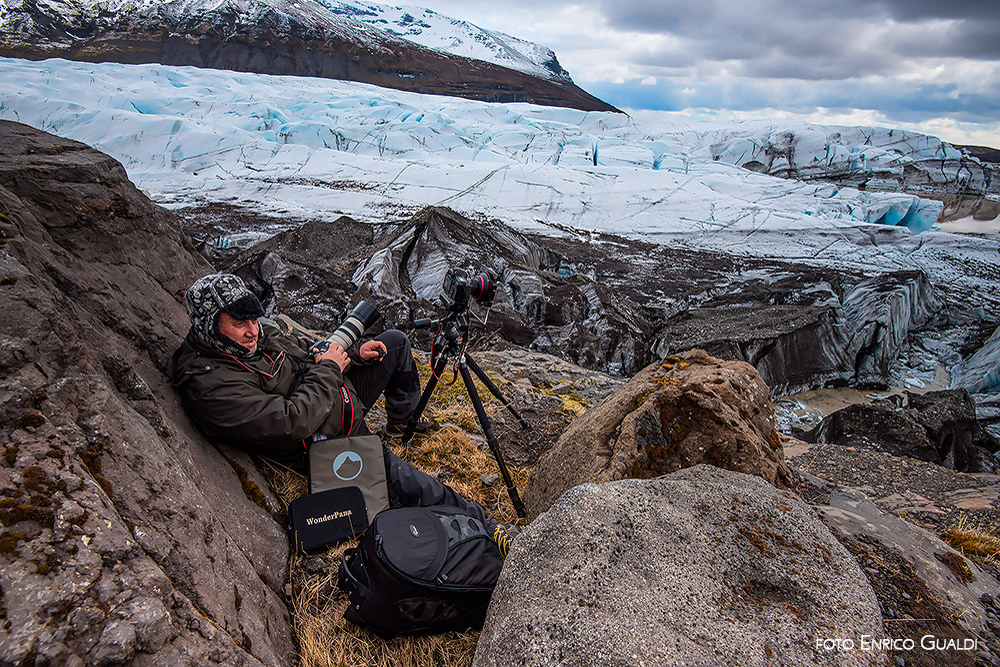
(315, 148)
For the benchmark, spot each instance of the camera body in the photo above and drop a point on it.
(459, 287)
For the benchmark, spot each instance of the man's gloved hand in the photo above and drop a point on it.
(372, 349)
(334, 353)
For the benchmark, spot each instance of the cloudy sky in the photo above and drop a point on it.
(929, 65)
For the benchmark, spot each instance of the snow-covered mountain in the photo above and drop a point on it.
(461, 38)
(401, 47)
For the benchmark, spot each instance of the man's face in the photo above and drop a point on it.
(244, 332)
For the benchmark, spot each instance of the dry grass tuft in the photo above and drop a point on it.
(981, 545)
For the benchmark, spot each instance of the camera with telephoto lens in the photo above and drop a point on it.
(363, 316)
(459, 287)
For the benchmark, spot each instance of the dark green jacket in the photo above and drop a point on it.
(268, 404)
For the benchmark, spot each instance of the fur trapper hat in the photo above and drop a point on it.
(217, 293)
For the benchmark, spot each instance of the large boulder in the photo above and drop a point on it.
(126, 538)
(701, 567)
(674, 414)
(938, 426)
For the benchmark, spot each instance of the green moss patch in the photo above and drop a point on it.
(250, 488)
(9, 542)
(35, 479)
(958, 566)
(27, 512)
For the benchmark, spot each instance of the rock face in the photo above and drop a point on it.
(914, 574)
(939, 426)
(837, 329)
(674, 414)
(700, 567)
(126, 537)
(301, 39)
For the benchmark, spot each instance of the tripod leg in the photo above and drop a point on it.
(491, 438)
(481, 374)
(425, 397)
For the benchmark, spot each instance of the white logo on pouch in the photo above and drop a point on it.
(347, 465)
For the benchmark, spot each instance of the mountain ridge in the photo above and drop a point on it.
(307, 38)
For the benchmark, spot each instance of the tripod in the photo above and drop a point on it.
(447, 344)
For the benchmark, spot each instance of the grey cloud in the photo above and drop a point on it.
(910, 10)
(811, 40)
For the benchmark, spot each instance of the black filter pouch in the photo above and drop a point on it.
(323, 519)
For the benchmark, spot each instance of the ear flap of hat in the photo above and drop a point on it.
(246, 307)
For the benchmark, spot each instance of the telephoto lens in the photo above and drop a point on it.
(363, 316)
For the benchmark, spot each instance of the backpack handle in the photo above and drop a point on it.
(346, 574)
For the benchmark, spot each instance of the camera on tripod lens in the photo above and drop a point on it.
(459, 287)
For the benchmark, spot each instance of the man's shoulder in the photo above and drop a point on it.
(188, 360)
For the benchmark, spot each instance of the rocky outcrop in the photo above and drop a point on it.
(126, 537)
(271, 38)
(612, 305)
(939, 426)
(540, 302)
(840, 330)
(700, 567)
(914, 574)
(674, 414)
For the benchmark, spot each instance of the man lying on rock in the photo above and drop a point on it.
(251, 385)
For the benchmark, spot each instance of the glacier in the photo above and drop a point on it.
(303, 148)
(188, 135)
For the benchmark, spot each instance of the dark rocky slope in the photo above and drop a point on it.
(265, 41)
(126, 537)
(603, 302)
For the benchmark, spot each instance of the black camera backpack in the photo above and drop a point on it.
(420, 570)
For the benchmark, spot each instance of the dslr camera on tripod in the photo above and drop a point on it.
(451, 340)
(460, 287)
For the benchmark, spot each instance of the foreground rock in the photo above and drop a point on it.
(939, 426)
(126, 537)
(674, 414)
(700, 567)
(915, 575)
